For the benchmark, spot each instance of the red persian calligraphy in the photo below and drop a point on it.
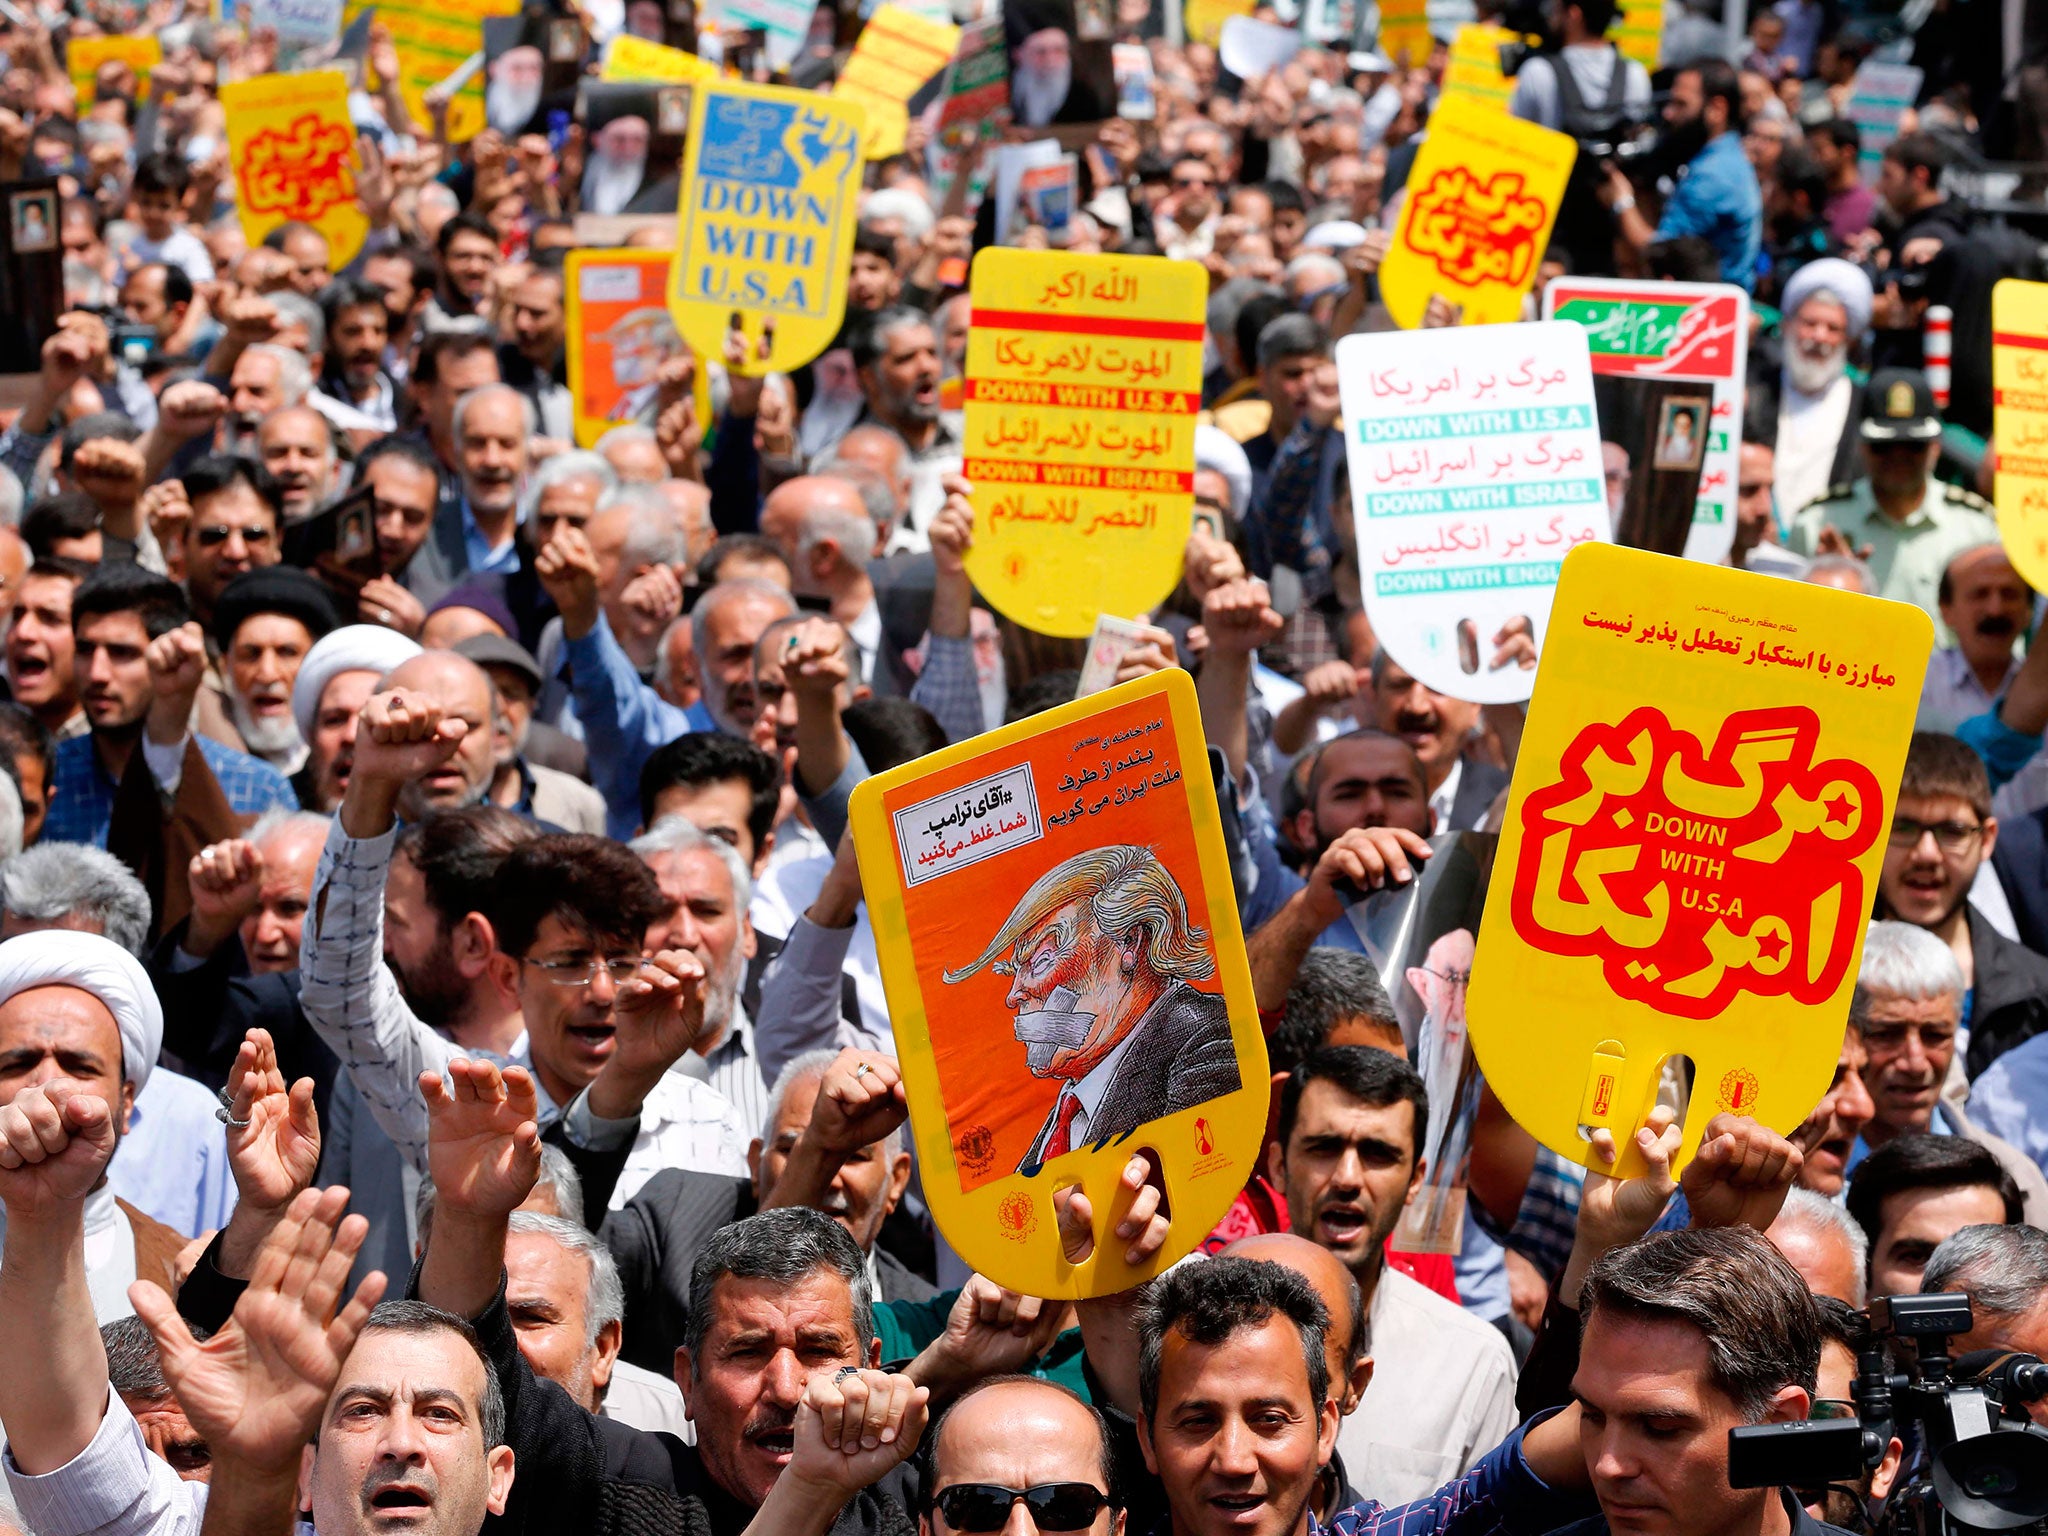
(1476, 230)
(1696, 876)
(300, 172)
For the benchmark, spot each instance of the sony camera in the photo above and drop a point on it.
(1980, 1464)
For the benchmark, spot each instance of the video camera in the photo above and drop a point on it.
(1983, 1465)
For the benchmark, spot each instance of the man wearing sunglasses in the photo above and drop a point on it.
(236, 507)
(1022, 1440)
(1942, 831)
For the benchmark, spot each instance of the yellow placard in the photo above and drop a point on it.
(1481, 199)
(897, 52)
(631, 58)
(1053, 912)
(764, 227)
(434, 38)
(83, 57)
(1700, 807)
(1404, 32)
(1084, 374)
(2019, 422)
(293, 151)
(1474, 69)
(1641, 34)
(617, 334)
(1205, 18)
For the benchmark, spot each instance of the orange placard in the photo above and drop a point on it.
(1058, 935)
(618, 334)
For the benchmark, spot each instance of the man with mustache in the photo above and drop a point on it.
(1908, 1006)
(1987, 606)
(1942, 832)
(780, 1307)
(831, 1141)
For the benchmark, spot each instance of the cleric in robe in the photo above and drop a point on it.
(1101, 959)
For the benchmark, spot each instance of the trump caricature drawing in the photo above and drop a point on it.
(1102, 959)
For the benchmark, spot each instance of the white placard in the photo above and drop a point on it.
(949, 832)
(1475, 467)
(1250, 48)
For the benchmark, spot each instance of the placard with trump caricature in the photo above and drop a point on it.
(619, 334)
(1058, 937)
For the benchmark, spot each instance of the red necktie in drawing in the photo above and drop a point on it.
(1060, 1143)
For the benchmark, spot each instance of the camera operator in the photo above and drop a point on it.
(2004, 1272)
(1843, 1330)
(1716, 196)
(1584, 87)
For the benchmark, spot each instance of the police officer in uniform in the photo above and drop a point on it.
(1907, 524)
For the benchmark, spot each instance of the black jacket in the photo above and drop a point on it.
(578, 1472)
(2009, 1001)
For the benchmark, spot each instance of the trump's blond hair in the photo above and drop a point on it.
(1124, 887)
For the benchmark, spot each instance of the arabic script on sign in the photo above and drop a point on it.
(1477, 230)
(1696, 875)
(300, 172)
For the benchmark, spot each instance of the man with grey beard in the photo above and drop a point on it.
(1827, 308)
(1041, 74)
(265, 622)
(513, 94)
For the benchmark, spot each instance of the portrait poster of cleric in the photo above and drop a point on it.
(1072, 947)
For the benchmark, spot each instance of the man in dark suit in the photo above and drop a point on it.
(816, 1153)
(1101, 957)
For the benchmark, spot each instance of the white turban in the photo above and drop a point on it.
(353, 648)
(1216, 449)
(1844, 279)
(61, 958)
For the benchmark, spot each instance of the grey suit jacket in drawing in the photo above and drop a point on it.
(1181, 1054)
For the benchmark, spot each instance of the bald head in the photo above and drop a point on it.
(794, 502)
(13, 566)
(461, 690)
(1345, 1341)
(1022, 1432)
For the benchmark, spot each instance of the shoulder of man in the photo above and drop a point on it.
(157, 1246)
(1846, 490)
(1962, 496)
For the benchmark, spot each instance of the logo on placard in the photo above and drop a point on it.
(299, 172)
(1696, 875)
(976, 1149)
(1739, 1090)
(1205, 1139)
(1476, 231)
(1015, 1216)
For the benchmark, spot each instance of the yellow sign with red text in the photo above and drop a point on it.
(1699, 810)
(1481, 200)
(635, 58)
(1054, 916)
(292, 149)
(1084, 374)
(2019, 430)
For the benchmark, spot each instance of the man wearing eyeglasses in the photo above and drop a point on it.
(1942, 831)
(563, 932)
